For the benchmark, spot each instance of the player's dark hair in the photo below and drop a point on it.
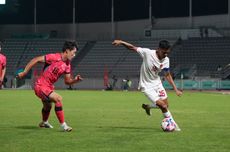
(164, 44)
(69, 45)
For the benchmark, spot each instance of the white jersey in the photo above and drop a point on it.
(150, 68)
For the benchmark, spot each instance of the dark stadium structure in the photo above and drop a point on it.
(199, 32)
(58, 11)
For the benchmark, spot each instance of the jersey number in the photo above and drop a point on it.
(55, 71)
(161, 93)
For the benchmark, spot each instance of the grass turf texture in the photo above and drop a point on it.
(114, 121)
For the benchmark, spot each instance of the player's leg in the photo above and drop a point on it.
(163, 105)
(42, 92)
(1, 81)
(160, 98)
(57, 99)
(152, 96)
(47, 105)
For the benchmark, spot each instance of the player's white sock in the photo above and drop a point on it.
(45, 122)
(169, 115)
(65, 127)
(63, 124)
(153, 105)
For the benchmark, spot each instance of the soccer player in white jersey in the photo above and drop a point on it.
(154, 61)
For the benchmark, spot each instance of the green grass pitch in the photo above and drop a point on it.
(114, 122)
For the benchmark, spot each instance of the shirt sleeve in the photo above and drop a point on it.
(142, 51)
(68, 69)
(49, 58)
(166, 65)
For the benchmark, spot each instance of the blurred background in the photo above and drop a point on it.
(199, 32)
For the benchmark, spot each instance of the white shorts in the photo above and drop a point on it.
(156, 93)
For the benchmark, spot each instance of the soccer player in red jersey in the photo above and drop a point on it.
(2, 66)
(56, 65)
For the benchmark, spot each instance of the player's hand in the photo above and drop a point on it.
(21, 75)
(78, 78)
(116, 42)
(178, 93)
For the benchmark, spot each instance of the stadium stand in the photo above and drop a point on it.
(206, 54)
(117, 60)
(13, 49)
(20, 51)
(194, 57)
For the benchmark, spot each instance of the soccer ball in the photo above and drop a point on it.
(168, 125)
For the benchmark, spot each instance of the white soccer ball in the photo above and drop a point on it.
(168, 125)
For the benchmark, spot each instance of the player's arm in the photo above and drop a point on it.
(69, 80)
(32, 62)
(125, 44)
(169, 78)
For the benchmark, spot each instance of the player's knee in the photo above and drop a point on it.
(58, 106)
(162, 105)
(58, 99)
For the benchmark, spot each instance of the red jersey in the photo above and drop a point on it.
(53, 69)
(50, 58)
(53, 72)
(2, 62)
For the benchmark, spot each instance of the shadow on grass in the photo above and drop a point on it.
(129, 128)
(28, 127)
(37, 128)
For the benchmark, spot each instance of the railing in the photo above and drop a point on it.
(203, 84)
(226, 71)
